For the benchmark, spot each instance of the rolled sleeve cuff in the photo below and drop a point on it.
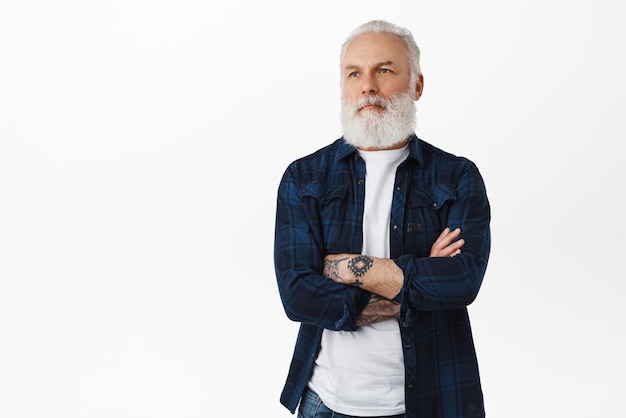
(354, 302)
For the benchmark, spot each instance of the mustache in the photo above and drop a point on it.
(371, 100)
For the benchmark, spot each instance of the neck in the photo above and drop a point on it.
(397, 145)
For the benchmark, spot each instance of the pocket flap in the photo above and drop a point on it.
(434, 198)
(324, 193)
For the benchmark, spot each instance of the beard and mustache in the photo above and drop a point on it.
(371, 128)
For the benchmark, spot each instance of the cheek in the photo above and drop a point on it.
(395, 87)
(349, 93)
(393, 90)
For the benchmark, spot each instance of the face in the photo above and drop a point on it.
(376, 64)
(378, 109)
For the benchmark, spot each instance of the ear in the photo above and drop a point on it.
(419, 87)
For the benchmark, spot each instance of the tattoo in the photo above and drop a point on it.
(378, 309)
(359, 265)
(331, 270)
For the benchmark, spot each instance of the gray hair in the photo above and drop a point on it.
(404, 34)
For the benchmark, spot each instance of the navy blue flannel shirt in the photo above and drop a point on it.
(320, 211)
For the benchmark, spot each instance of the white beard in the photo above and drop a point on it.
(374, 129)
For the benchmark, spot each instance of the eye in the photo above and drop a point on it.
(353, 74)
(385, 70)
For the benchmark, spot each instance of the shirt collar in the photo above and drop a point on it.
(415, 149)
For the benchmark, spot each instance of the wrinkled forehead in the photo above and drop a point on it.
(374, 47)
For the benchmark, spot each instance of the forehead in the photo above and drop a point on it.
(374, 47)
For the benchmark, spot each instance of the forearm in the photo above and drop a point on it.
(378, 309)
(441, 283)
(380, 276)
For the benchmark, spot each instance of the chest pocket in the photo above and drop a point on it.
(428, 216)
(435, 198)
(325, 207)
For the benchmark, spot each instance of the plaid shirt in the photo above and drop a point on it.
(320, 211)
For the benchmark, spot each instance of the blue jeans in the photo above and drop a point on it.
(311, 406)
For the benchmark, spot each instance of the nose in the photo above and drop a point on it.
(369, 84)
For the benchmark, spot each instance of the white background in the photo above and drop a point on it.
(141, 145)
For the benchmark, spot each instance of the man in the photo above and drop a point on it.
(382, 241)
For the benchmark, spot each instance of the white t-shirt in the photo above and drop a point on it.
(362, 372)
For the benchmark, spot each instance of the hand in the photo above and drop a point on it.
(446, 246)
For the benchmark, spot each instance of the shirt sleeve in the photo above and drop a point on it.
(440, 283)
(308, 296)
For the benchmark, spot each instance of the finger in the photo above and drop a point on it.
(445, 232)
(440, 242)
(442, 239)
(445, 245)
(456, 252)
(447, 237)
(449, 250)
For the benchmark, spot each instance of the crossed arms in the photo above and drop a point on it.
(381, 276)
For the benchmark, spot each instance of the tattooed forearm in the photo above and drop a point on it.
(357, 265)
(360, 264)
(379, 309)
(331, 270)
(380, 276)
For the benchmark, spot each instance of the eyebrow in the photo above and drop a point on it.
(378, 65)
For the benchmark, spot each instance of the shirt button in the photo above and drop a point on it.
(409, 386)
(399, 188)
(407, 346)
(361, 181)
(435, 204)
(359, 218)
(395, 227)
